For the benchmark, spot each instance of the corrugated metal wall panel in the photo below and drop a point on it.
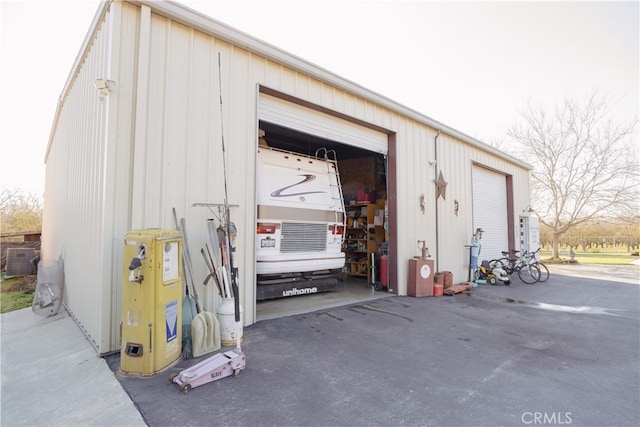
(414, 181)
(117, 157)
(79, 187)
(456, 160)
(182, 163)
(453, 161)
(78, 142)
(164, 134)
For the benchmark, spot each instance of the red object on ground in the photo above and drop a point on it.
(384, 265)
(438, 279)
(437, 290)
(456, 289)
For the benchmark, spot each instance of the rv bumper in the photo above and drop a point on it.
(313, 262)
(293, 284)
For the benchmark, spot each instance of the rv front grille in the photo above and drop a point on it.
(303, 237)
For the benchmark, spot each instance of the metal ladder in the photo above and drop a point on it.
(330, 157)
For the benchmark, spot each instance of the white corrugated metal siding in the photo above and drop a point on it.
(87, 179)
(154, 143)
(456, 160)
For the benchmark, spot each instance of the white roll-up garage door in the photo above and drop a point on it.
(490, 212)
(313, 122)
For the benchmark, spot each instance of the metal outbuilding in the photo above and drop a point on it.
(137, 132)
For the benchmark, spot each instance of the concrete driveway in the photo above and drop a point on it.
(565, 352)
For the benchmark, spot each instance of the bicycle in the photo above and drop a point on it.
(544, 271)
(527, 272)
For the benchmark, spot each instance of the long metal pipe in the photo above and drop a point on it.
(435, 160)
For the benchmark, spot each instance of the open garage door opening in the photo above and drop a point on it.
(331, 275)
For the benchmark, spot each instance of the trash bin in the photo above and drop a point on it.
(47, 297)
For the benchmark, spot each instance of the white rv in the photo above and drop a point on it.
(300, 223)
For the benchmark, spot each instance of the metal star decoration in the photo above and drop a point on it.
(442, 186)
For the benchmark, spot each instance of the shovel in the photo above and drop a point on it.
(205, 328)
(189, 309)
(205, 331)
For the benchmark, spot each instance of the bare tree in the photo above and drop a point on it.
(19, 211)
(585, 164)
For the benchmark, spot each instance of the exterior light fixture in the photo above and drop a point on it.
(104, 86)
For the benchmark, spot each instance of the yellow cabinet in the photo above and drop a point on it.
(151, 301)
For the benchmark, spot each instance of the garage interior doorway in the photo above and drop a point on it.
(359, 170)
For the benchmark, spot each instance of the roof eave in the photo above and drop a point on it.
(226, 33)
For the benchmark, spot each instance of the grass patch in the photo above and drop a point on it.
(16, 293)
(594, 258)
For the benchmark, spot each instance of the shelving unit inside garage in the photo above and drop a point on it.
(364, 236)
(364, 186)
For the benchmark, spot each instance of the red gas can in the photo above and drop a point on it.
(384, 268)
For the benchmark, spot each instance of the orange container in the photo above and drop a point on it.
(438, 290)
(438, 278)
(384, 265)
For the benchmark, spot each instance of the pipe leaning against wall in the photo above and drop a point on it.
(435, 149)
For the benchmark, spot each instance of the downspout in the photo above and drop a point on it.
(435, 162)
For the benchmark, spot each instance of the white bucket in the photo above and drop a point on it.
(227, 318)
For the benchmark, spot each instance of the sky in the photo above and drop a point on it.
(469, 65)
